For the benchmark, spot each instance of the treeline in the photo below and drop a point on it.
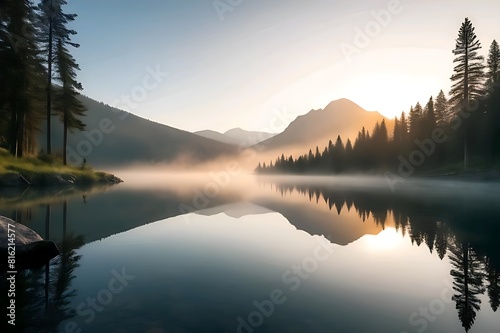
(38, 74)
(463, 129)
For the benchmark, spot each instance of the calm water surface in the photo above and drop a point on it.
(278, 254)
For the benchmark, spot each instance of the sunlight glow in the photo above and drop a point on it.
(385, 240)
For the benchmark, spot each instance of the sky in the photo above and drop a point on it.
(221, 64)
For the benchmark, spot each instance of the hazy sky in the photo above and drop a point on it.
(237, 63)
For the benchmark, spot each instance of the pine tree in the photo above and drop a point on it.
(259, 168)
(348, 147)
(441, 109)
(415, 121)
(339, 145)
(52, 22)
(429, 122)
(494, 63)
(403, 127)
(469, 74)
(310, 156)
(396, 134)
(330, 146)
(66, 103)
(469, 71)
(383, 133)
(468, 275)
(430, 114)
(493, 278)
(21, 73)
(338, 155)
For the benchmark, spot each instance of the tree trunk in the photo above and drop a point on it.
(49, 84)
(13, 131)
(21, 121)
(466, 157)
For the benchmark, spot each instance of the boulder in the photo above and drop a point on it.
(31, 251)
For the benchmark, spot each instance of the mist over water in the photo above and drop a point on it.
(207, 250)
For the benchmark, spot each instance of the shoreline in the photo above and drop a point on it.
(47, 171)
(472, 175)
(53, 179)
(478, 175)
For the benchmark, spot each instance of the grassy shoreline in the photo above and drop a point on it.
(32, 171)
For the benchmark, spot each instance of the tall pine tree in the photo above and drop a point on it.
(52, 23)
(468, 79)
(66, 103)
(21, 72)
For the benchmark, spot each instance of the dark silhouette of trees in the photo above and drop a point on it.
(415, 121)
(469, 121)
(493, 278)
(469, 72)
(21, 73)
(468, 277)
(44, 297)
(441, 109)
(473, 252)
(29, 37)
(53, 31)
(468, 79)
(338, 155)
(494, 63)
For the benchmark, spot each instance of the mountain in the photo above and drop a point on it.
(117, 138)
(341, 117)
(248, 138)
(213, 135)
(237, 136)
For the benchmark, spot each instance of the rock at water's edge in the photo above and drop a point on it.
(31, 251)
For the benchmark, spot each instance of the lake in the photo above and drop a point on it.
(181, 253)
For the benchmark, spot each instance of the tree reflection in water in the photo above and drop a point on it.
(43, 296)
(461, 229)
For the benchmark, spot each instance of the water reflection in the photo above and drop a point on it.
(208, 266)
(43, 296)
(464, 229)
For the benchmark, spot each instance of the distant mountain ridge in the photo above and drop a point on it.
(237, 136)
(341, 117)
(115, 137)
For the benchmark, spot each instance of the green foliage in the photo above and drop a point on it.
(38, 170)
